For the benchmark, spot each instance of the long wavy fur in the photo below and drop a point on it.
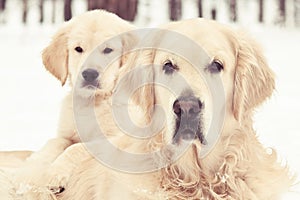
(243, 170)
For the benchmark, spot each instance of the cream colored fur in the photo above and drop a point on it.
(239, 167)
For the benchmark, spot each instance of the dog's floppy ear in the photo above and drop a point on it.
(254, 80)
(55, 55)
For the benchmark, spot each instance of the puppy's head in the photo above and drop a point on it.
(66, 56)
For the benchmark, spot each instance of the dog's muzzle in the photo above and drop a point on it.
(188, 119)
(90, 78)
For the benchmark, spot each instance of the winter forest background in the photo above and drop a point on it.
(30, 97)
(285, 13)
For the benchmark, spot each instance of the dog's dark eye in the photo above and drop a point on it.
(78, 49)
(107, 50)
(169, 67)
(215, 67)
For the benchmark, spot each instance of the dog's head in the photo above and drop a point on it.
(67, 56)
(181, 88)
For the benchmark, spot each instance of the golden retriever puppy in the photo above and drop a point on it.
(208, 79)
(65, 58)
(87, 53)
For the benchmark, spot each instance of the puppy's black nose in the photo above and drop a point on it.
(187, 106)
(90, 75)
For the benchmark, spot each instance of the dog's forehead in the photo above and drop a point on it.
(203, 32)
(99, 59)
(115, 42)
(182, 52)
(217, 40)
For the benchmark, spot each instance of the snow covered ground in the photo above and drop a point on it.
(30, 97)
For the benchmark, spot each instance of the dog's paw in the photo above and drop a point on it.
(56, 190)
(57, 181)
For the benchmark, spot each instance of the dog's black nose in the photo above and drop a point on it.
(90, 75)
(188, 123)
(187, 106)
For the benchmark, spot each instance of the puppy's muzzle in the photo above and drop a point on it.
(90, 77)
(187, 110)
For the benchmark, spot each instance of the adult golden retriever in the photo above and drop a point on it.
(237, 167)
(83, 53)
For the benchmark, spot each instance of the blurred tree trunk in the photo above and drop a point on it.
(233, 10)
(96, 4)
(91, 4)
(53, 11)
(112, 5)
(213, 13)
(175, 9)
(282, 13)
(25, 9)
(297, 12)
(2, 8)
(41, 5)
(126, 9)
(133, 8)
(67, 10)
(2, 5)
(261, 11)
(200, 8)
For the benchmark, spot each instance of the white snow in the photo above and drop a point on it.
(30, 96)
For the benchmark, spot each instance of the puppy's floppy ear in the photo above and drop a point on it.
(138, 72)
(138, 80)
(144, 96)
(55, 55)
(254, 80)
(129, 42)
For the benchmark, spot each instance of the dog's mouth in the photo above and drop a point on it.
(91, 85)
(188, 131)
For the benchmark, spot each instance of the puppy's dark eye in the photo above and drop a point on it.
(169, 67)
(215, 67)
(78, 49)
(107, 50)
